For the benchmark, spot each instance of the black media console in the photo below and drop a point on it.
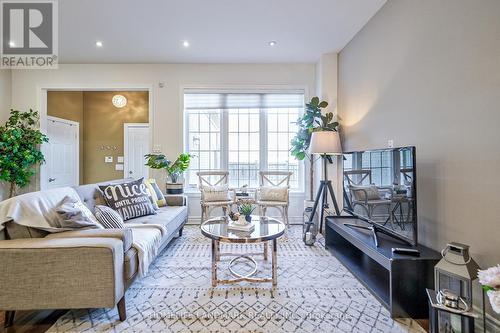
(398, 281)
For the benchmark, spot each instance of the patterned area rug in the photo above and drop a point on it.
(315, 293)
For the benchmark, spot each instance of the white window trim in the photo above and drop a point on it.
(265, 89)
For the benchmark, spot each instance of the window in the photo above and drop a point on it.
(381, 163)
(242, 133)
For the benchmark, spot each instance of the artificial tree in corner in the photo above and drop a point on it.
(174, 170)
(312, 120)
(20, 140)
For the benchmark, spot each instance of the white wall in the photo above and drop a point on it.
(168, 115)
(327, 90)
(5, 105)
(427, 73)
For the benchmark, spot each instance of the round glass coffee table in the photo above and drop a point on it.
(266, 229)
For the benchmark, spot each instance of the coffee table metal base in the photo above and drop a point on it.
(216, 255)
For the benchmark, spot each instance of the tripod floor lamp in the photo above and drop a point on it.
(324, 143)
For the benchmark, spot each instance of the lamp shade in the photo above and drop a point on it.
(325, 142)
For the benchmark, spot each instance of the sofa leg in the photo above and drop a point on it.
(180, 231)
(9, 318)
(122, 310)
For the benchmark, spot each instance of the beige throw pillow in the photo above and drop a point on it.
(371, 192)
(274, 193)
(215, 193)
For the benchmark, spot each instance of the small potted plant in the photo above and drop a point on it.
(174, 170)
(246, 210)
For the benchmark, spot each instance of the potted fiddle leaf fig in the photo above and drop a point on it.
(20, 140)
(174, 170)
(313, 119)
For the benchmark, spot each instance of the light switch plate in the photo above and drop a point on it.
(119, 159)
(108, 159)
(157, 148)
(119, 167)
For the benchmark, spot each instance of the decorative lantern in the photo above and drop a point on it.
(456, 271)
(453, 276)
(447, 315)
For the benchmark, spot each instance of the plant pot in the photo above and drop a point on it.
(241, 220)
(248, 218)
(175, 188)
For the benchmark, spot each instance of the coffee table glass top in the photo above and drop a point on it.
(266, 228)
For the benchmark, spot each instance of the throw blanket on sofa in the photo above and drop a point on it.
(36, 210)
(147, 240)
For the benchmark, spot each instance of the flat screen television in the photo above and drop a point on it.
(380, 188)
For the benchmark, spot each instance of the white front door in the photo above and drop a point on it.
(62, 156)
(136, 146)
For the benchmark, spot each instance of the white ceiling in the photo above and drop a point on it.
(219, 31)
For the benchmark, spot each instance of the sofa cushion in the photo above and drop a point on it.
(73, 214)
(155, 191)
(108, 217)
(170, 216)
(131, 199)
(125, 235)
(131, 263)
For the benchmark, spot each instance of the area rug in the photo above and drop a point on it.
(315, 293)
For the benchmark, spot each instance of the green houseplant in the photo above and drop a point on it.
(174, 170)
(313, 119)
(20, 140)
(246, 210)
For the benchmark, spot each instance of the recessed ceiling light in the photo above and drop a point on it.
(185, 43)
(12, 44)
(272, 43)
(98, 43)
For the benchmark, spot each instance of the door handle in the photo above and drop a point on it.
(51, 180)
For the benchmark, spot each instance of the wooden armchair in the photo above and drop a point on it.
(359, 192)
(274, 179)
(213, 179)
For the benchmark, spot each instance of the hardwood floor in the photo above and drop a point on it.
(31, 321)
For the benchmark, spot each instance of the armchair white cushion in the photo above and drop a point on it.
(215, 193)
(273, 193)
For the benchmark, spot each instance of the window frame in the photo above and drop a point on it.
(224, 133)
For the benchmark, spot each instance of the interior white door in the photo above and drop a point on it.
(62, 156)
(136, 146)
